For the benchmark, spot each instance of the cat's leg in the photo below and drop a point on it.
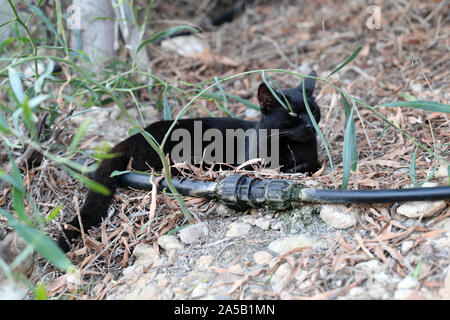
(96, 205)
(304, 168)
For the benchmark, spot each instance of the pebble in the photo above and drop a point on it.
(416, 209)
(204, 261)
(370, 266)
(337, 216)
(11, 247)
(263, 223)
(382, 277)
(377, 292)
(262, 257)
(223, 211)
(169, 243)
(235, 268)
(281, 246)
(356, 291)
(402, 294)
(441, 172)
(237, 229)
(185, 46)
(408, 283)
(407, 245)
(280, 276)
(193, 233)
(199, 290)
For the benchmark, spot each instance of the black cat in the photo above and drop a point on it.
(296, 140)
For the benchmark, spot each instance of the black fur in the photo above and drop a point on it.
(297, 140)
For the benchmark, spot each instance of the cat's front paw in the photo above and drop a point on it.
(301, 168)
(65, 240)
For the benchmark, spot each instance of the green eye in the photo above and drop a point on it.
(293, 114)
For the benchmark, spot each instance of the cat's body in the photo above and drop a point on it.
(296, 139)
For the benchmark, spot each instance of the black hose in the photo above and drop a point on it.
(241, 192)
(378, 196)
(185, 187)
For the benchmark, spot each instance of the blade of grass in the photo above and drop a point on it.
(347, 61)
(266, 80)
(16, 85)
(412, 168)
(352, 134)
(80, 134)
(419, 104)
(224, 96)
(316, 127)
(347, 151)
(166, 108)
(164, 34)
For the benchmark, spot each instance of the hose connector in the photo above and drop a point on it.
(240, 192)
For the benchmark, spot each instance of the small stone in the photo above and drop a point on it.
(262, 257)
(283, 270)
(237, 229)
(305, 284)
(185, 46)
(279, 277)
(376, 292)
(148, 292)
(284, 245)
(382, 277)
(402, 294)
(235, 268)
(416, 209)
(199, 290)
(144, 251)
(337, 216)
(193, 233)
(249, 220)
(223, 211)
(10, 248)
(441, 172)
(263, 223)
(276, 226)
(408, 283)
(407, 245)
(370, 266)
(203, 261)
(301, 275)
(356, 291)
(169, 243)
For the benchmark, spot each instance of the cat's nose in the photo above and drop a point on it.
(309, 126)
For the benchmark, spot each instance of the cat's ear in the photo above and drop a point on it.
(265, 97)
(309, 84)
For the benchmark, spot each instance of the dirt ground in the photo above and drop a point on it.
(378, 252)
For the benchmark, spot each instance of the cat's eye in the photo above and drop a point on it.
(293, 114)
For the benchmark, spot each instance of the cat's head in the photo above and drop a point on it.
(295, 125)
